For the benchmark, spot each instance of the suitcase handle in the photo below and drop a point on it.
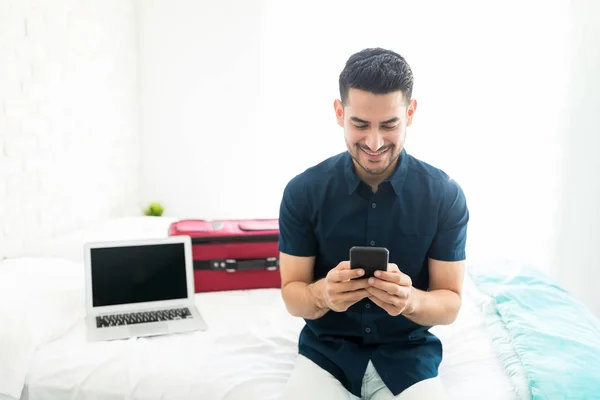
(270, 264)
(259, 225)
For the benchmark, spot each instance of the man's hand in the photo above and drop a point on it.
(341, 289)
(392, 290)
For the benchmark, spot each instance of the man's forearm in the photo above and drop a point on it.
(437, 307)
(304, 300)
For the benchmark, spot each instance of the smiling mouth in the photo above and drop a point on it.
(374, 154)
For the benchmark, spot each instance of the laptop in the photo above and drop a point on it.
(140, 288)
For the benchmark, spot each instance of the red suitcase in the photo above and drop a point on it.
(232, 254)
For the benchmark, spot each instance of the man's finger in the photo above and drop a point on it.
(347, 274)
(393, 267)
(351, 285)
(390, 309)
(353, 297)
(343, 265)
(394, 277)
(386, 297)
(392, 288)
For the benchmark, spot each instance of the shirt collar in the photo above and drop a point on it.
(396, 179)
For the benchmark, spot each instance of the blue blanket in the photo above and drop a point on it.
(555, 338)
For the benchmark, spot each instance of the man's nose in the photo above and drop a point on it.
(374, 141)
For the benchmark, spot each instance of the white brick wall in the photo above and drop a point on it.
(69, 139)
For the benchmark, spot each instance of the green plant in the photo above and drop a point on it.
(154, 210)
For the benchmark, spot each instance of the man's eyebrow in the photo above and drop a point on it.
(358, 120)
(390, 121)
(362, 121)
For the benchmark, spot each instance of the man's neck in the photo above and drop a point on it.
(375, 180)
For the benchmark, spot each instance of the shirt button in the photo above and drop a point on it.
(367, 305)
(374, 205)
(368, 330)
(372, 243)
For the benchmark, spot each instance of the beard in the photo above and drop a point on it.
(392, 153)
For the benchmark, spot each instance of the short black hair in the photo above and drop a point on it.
(377, 71)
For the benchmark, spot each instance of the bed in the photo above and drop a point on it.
(249, 350)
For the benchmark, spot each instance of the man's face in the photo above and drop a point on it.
(375, 130)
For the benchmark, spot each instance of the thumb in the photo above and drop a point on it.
(393, 268)
(343, 265)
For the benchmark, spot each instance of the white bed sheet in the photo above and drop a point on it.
(247, 353)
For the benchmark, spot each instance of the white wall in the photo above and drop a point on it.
(202, 69)
(237, 102)
(236, 97)
(578, 240)
(69, 139)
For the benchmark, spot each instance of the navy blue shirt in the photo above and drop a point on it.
(417, 213)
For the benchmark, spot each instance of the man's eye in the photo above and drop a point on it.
(361, 126)
(389, 128)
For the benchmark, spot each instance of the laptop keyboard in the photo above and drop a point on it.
(142, 317)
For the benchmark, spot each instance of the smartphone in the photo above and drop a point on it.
(370, 259)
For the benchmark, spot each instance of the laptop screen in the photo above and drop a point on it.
(138, 274)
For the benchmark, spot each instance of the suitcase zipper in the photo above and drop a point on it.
(235, 239)
(229, 265)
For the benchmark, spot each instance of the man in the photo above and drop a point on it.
(369, 338)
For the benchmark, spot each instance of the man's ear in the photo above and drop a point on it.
(339, 112)
(410, 111)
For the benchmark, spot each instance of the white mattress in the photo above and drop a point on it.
(248, 352)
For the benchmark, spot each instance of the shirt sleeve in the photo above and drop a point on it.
(296, 235)
(450, 240)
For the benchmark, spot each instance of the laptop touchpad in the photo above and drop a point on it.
(154, 329)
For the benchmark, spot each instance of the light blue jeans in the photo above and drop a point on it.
(309, 381)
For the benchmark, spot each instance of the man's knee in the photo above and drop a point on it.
(427, 389)
(308, 380)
